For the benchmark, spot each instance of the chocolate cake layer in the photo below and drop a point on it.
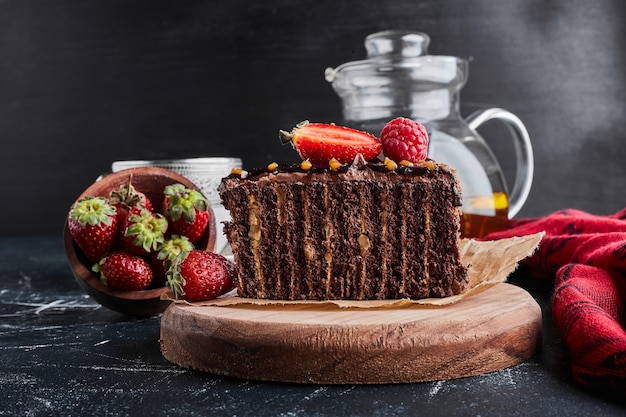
(364, 231)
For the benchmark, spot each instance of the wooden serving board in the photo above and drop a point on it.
(491, 330)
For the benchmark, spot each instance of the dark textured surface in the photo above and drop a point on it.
(62, 354)
(85, 83)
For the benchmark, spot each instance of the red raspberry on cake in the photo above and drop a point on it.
(404, 139)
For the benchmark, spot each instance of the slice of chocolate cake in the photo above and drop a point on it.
(360, 231)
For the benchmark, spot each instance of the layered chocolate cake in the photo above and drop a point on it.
(360, 231)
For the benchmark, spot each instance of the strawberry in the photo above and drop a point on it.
(142, 231)
(124, 271)
(161, 260)
(200, 275)
(92, 222)
(126, 197)
(187, 211)
(320, 142)
(404, 139)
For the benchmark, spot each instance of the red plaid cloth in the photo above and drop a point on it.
(586, 256)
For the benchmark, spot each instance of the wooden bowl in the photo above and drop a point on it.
(150, 181)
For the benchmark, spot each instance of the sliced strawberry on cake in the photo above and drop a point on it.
(320, 143)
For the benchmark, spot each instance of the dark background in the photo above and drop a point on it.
(84, 83)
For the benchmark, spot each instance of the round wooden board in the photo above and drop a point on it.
(492, 330)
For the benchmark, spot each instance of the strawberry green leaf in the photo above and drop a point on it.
(92, 211)
(183, 202)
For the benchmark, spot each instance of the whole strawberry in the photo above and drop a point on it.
(92, 222)
(201, 275)
(321, 142)
(187, 211)
(124, 271)
(161, 260)
(404, 139)
(127, 197)
(142, 231)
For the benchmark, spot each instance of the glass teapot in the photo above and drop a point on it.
(399, 78)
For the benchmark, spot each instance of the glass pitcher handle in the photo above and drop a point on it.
(523, 152)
